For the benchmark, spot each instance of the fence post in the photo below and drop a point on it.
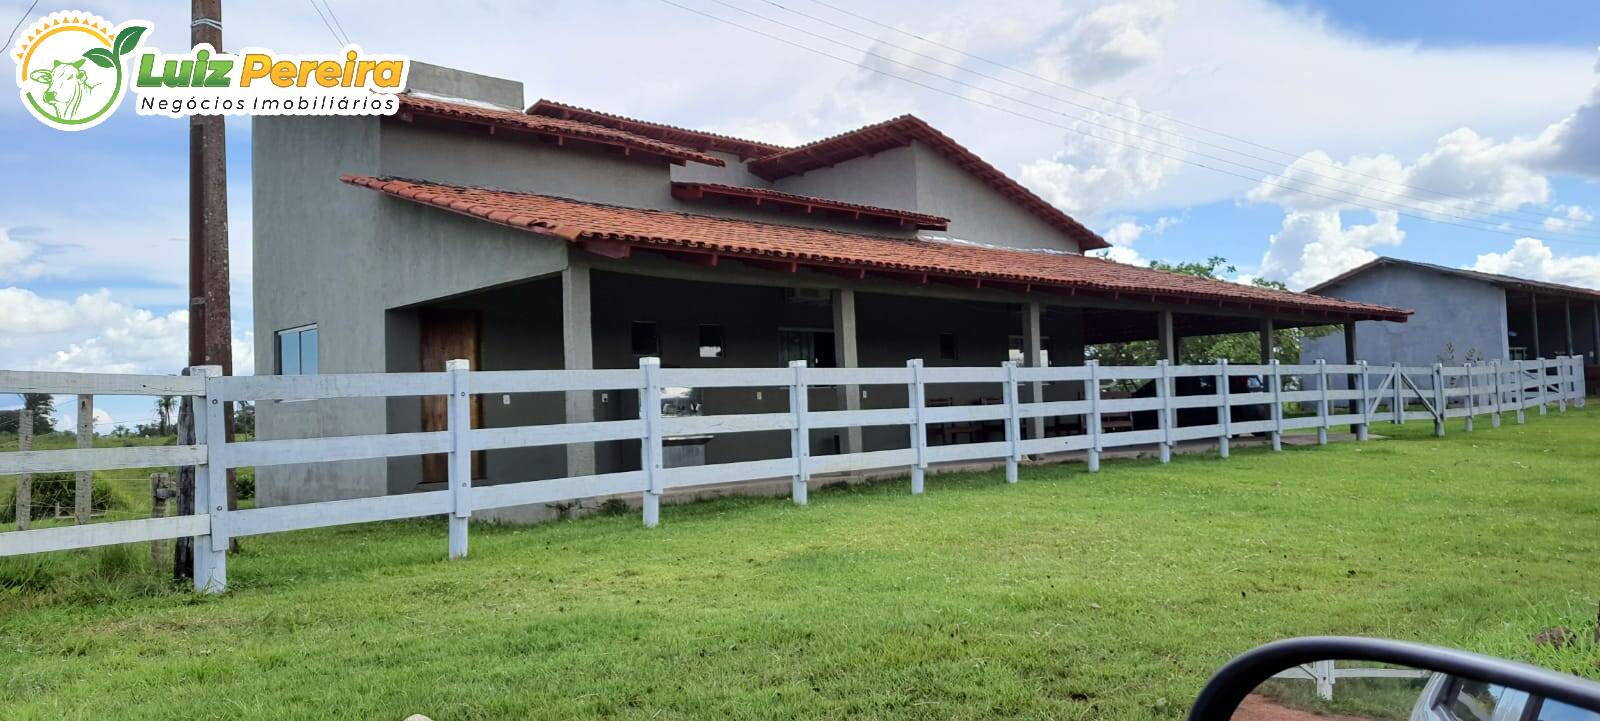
(1580, 383)
(1399, 404)
(1323, 671)
(800, 437)
(24, 481)
(1322, 407)
(1013, 422)
(210, 486)
(1561, 383)
(1092, 393)
(1471, 403)
(1439, 399)
(650, 460)
(919, 426)
(459, 415)
(1521, 389)
(1361, 405)
(83, 495)
(1277, 406)
(1224, 408)
(1499, 394)
(1543, 369)
(1164, 414)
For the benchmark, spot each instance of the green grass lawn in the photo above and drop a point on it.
(1067, 596)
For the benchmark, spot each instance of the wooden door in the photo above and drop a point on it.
(447, 335)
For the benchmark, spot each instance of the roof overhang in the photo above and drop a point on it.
(620, 232)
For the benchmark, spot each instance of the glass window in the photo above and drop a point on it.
(1551, 710)
(947, 346)
(645, 340)
(297, 351)
(710, 341)
(1470, 700)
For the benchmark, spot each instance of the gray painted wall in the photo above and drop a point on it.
(449, 82)
(887, 180)
(1454, 317)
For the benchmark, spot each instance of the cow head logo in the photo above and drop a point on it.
(70, 67)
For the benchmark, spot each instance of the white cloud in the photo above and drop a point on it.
(1570, 218)
(93, 333)
(1531, 258)
(1124, 233)
(1314, 246)
(1106, 43)
(1090, 175)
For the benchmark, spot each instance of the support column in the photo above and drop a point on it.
(1355, 381)
(845, 353)
(1566, 312)
(1595, 315)
(1033, 357)
(1266, 336)
(1533, 304)
(1166, 338)
(577, 350)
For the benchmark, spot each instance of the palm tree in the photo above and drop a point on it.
(164, 407)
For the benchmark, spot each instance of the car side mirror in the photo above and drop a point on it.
(1361, 678)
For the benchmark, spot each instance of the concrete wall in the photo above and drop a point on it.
(1455, 318)
(976, 211)
(887, 180)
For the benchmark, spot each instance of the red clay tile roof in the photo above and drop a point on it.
(689, 138)
(587, 223)
(807, 204)
(412, 106)
(903, 131)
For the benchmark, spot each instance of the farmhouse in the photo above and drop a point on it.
(470, 225)
(1461, 316)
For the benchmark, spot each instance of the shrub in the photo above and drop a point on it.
(244, 480)
(57, 490)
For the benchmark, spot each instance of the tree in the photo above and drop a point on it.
(1236, 347)
(43, 406)
(244, 418)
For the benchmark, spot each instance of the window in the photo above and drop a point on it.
(947, 346)
(1044, 351)
(645, 340)
(710, 341)
(297, 351)
(1468, 700)
(815, 347)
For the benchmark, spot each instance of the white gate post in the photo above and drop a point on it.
(1580, 382)
(1499, 394)
(1472, 403)
(1277, 406)
(459, 414)
(1164, 415)
(1224, 408)
(1322, 407)
(1439, 400)
(1092, 393)
(800, 437)
(1013, 422)
(1561, 383)
(650, 460)
(919, 424)
(1361, 407)
(1521, 389)
(210, 486)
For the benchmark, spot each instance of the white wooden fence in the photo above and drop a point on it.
(1339, 394)
(1328, 673)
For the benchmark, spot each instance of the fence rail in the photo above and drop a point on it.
(1337, 394)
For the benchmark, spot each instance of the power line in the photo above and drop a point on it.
(1175, 121)
(1399, 209)
(325, 22)
(20, 21)
(1440, 210)
(336, 23)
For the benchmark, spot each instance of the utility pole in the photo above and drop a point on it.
(210, 330)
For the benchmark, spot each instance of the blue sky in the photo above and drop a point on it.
(1380, 102)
